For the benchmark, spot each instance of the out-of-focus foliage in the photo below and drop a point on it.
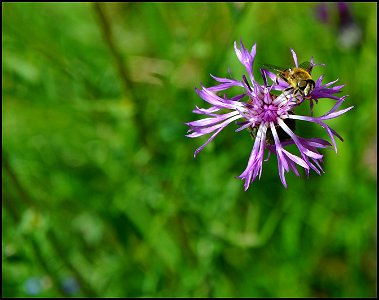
(101, 194)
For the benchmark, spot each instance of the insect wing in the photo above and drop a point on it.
(306, 66)
(273, 68)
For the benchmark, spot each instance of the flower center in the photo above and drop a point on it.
(269, 113)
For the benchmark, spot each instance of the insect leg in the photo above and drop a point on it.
(286, 90)
(296, 96)
(276, 79)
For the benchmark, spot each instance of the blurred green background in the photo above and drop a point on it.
(101, 193)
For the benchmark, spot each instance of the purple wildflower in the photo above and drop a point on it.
(270, 118)
(322, 12)
(350, 33)
(340, 14)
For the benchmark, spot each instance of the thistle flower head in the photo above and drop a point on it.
(270, 118)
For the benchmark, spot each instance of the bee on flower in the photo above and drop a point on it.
(270, 118)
